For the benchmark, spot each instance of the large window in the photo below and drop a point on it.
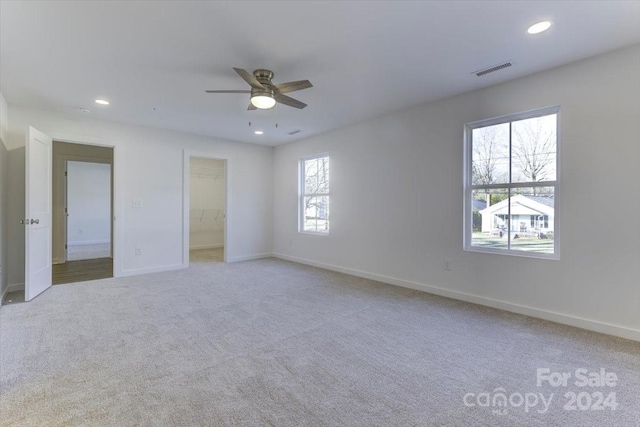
(511, 184)
(314, 194)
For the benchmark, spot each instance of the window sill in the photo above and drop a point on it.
(514, 253)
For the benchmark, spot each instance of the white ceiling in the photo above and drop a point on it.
(154, 59)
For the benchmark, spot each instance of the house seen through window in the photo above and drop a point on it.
(314, 194)
(511, 184)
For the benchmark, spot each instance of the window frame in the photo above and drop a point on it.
(302, 194)
(510, 185)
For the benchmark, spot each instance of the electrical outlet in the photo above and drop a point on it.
(136, 204)
(80, 231)
(447, 264)
(138, 251)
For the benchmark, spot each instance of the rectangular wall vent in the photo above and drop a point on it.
(502, 66)
(293, 132)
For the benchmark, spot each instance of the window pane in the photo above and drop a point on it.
(316, 213)
(316, 175)
(532, 219)
(489, 218)
(490, 154)
(534, 149)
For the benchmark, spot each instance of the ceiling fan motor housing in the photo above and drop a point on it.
(264, 77)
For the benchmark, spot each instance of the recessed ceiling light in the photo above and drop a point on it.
(102, 102)
(258, 132)
(539, 27)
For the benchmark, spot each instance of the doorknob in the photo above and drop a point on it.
(35, 221)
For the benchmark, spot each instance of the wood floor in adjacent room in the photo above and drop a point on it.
(82, 271)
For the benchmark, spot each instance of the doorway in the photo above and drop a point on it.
(207, 210)
(88, 210)
(82, 246)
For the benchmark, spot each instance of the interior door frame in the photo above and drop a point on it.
(116, 207)
(186, 201)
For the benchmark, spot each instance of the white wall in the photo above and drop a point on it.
(207, 184)
(4, 118)
(88, 203)
(148, 168)
(397, 195)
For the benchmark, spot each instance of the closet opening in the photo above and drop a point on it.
(207, 210)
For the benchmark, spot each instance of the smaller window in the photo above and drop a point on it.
(314, 194)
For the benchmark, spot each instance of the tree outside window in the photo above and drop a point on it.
(314, 194)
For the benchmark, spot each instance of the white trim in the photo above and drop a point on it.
(14, 288)
(579, 322)
(215, 246)
(88, 242)
(149, 270)
(251, 257)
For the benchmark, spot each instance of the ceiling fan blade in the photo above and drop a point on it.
(293, 86)
(249, 78)
(228, 91)
(251, 107)
(284, 99)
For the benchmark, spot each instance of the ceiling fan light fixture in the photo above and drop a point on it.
(264, 102)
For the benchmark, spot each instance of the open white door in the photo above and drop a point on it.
(38, 156)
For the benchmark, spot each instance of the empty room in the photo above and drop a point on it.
(320, 213)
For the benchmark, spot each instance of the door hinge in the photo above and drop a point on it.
(65, 173)
(65, 246)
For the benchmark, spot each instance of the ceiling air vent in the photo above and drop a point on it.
(293, 132)
(484, 71)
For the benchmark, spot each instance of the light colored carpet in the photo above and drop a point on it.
(273, 343)
(80, 252)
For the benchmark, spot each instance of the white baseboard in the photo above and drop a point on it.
(88, 242)
(15, 287)
(215, 246)
(149, 270)
(251, 257)
(592, 325)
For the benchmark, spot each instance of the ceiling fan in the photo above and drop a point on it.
(265, 93)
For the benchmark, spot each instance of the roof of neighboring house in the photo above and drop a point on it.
(545, 200)
(478, 205)
(523, 205)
